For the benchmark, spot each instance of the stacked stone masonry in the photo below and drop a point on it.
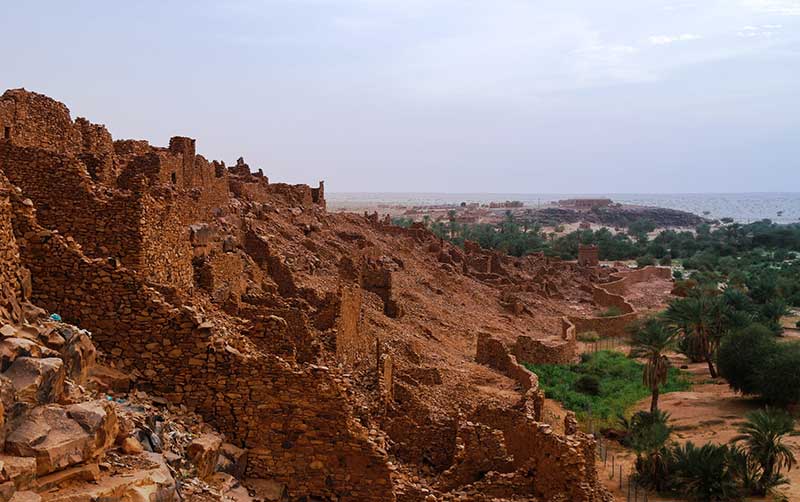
(170, 261)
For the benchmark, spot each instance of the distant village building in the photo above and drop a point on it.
(588, 255)
(585, 204)
(509, 204)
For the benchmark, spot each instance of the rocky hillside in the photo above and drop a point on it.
(175, 328)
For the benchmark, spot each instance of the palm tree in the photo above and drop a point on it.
(702, 473)
(651, 340)
(701, 321)
(763, 435)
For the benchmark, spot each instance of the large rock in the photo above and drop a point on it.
(152, 482)
(21, 471)
(14, 347)
(79, 355)
(37, 381)
(99, 420)
(232, 460)
(60, 437)
(204, 454)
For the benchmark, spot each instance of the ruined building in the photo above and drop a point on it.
(351, 360)
(588, 255)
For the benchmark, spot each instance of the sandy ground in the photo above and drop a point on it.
(709, 412)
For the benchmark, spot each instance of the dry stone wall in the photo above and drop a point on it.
(563, 351)
(295, 420)
(64, 195)
(610, 294)
(10, 271)
(352, 344)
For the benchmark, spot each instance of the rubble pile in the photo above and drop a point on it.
(68, 436)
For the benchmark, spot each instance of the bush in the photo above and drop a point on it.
(753, 362)
(588, 384)
(646, 260)
(741, 355)
(620, 384)
(588, 336)
(648, 431)
(677, 275)
(778, 377)
(611, 312)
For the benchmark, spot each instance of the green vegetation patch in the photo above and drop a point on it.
(620, 384)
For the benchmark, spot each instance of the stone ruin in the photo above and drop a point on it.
(213, 291)
(588, 255)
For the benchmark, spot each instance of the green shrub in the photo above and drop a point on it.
(620, 384)
(588, 384)
(753, 362)
(741, 355)
(588, 336)
(645, 261)
(612, 311)
(647, 431)
(778, 376)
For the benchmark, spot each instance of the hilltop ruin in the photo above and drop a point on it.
(351, 360)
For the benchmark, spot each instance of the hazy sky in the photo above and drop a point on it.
(437, 95)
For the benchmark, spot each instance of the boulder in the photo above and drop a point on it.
(150, 483)
(7, 490)
(131, 446)
(14, 347)
(21, 471)
(37, 381)
(79, 356)
(86, 473)
(61, 437)
(108, 379)
(203, 452)
(99, 420)
(232, 460)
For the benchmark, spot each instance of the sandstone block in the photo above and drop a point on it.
(131, 446)
(58, 438)
(79, 356)
(232, 460)
(19, 470)
(204, 453)
(37, 380)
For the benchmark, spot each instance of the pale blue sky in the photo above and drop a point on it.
(438, 95)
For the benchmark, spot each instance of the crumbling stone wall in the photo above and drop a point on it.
(9, 254)
(493, 353)
(34, 120)
(623, 280)
(296, 421)
(163, 230)
(65, 197)
(603, 298)
(557, 466)
(611, 295)
(563, 351)
(97, 151)
(352, 344)
(588, 255)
